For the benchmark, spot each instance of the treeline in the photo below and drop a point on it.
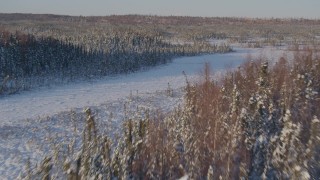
(252, 32)
(27, 61)
(154, 19)
(257, 122)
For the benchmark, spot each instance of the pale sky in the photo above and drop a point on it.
(240, 8)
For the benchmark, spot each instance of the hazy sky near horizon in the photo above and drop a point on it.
(241, 8)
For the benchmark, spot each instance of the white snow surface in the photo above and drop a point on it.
(28, 120)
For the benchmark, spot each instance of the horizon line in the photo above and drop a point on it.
(157, 15)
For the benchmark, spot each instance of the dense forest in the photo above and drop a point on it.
(27, 61)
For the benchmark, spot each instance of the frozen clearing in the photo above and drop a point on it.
(28, 120)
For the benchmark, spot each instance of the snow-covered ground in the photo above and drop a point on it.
(28, 121)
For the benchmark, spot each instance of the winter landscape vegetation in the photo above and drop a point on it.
(159, 97)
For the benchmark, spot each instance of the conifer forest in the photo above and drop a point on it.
(250, 111)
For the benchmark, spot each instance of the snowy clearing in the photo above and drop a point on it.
(30, 119)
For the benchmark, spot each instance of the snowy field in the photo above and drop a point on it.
(28, 121)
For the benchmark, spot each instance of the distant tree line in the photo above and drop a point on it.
(163, 20)
(252, 32)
